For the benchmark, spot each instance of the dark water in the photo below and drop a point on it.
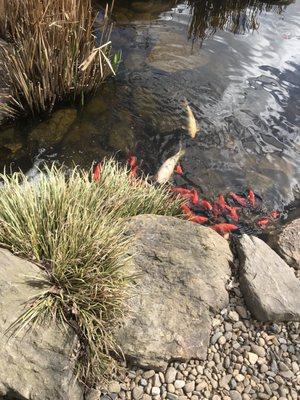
(238, 65)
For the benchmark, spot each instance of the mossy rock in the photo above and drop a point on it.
(52, 131)
(121, 135)
(11, 140)
(121, 138)
(95, 107)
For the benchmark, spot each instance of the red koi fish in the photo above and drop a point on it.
(224, 228)
(216, 209)
(133, 171)
(179, 169)
(190, 194)
(219, 206)
(194, 196)
(180, 190)
(251, 197)
(186, 210)
(97, 173)
(206, 205)
(263, 222)
(275, 214)
(221, 201)
(132, 161)
(238, 199)
(198, 218)
(192, 216)
(232, 212)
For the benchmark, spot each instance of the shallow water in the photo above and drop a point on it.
(238, 65)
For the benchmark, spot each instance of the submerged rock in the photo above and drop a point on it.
(289, 244)
(270, 287)
(52, 131)
(174, 53)
(11, 139)
(182, 269)
(35, 364)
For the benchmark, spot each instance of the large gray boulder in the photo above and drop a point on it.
(34, 364)
(289, 244)
(270, 287)
(181, 269)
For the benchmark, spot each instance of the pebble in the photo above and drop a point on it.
(234, 316)
(263, 368)
(242, 311)
(239, 377)
(235, 395)
(246, 360)
(259, 350)
(148, 374)
(137, 392)
(143, 382)
(171, 388)
(179, 384)
(155, 391)
(189, 387)
(252, 358)
(156, 380)
(215, 337)
(172, 396)
(114, 387)
(222, 340)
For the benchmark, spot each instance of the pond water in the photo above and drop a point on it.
(237, 63)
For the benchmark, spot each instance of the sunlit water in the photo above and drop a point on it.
(238, 65)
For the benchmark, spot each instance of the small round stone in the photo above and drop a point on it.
(235, 395)
(179, 383)
(155, 391)
(114, 387)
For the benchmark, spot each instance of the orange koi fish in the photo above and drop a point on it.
(263, 222)
(133, 171)
(180, 190)
(232, 212)
(238, 199)
(216, 209)
(224, 228)
(206, 205)
(198, 218)
(179, 169)
(194, 196)
(275, 214)
(251, 197)
(221, 202)
(132, 161)
(186, 210)
(97, 173)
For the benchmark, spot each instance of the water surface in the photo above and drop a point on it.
(238, 65)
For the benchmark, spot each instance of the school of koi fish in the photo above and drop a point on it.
(222, 214)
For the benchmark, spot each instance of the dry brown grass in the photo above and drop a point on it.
(53, 53)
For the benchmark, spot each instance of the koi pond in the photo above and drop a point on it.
(236, 63)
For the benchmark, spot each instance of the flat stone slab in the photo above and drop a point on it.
(182, 269)
(270, 287)
(35, 364)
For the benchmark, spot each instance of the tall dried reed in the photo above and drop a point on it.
(52, 53)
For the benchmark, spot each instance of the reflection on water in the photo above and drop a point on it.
(236, 16)
(243, 89)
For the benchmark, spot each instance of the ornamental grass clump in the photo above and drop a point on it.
(73, 227)
(51, 53)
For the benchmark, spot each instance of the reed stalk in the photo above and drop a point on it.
(51, 54)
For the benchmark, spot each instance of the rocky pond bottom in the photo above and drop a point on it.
(197, 324)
